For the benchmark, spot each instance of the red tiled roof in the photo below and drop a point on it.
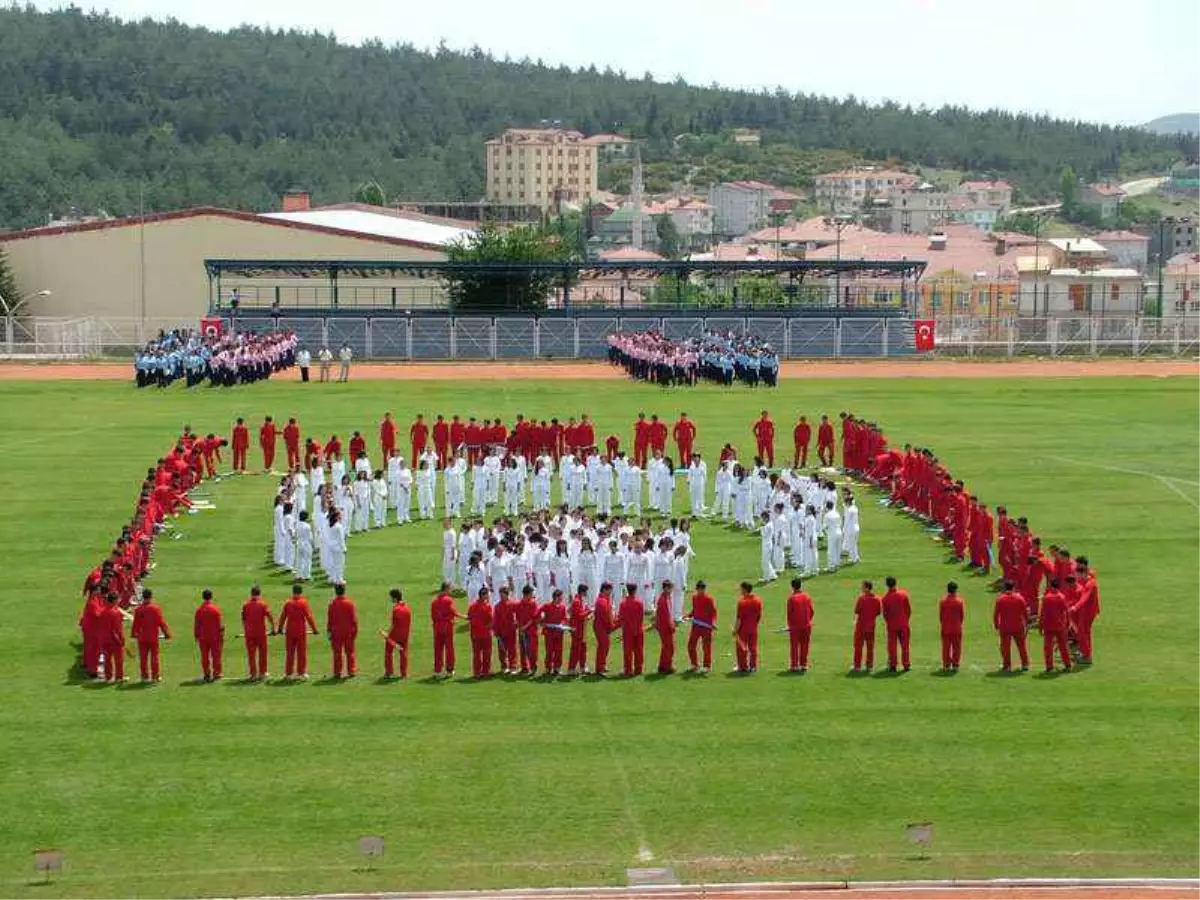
(1122, 235)
(199, 212)
(985, 186)
(1108, 190)
(966, 253)
(630, 253)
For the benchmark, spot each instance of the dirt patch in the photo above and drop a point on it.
(592, 371)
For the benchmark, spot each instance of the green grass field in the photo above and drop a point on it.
(230, 789)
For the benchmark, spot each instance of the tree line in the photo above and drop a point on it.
(102, 115)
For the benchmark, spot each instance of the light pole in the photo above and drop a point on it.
(11, 308)
(838, 224)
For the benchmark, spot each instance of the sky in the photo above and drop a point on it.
(1095, 60)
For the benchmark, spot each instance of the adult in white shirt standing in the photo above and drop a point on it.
(850, 529)
(345, 354)
(697, 480)
(833, 536)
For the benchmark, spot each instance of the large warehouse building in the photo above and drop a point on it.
(151, 268)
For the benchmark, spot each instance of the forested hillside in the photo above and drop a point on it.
(98, 114)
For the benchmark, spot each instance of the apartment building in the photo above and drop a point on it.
(542, 167)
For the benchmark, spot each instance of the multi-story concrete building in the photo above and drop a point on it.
(1128, 249)
(842, 193)
(920, 210)
(541, 167)
(1105, 197)
(739, 207)
(980, 203)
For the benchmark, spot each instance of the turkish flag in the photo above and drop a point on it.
(211, 327)
(925, 334)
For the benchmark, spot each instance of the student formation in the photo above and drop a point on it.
(540, 616)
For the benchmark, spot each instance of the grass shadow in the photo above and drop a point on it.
(135, 685)
(943, 673)
(285, 682)
(194, 682)
(244, 682)
(789, 673)
(888, 673)
(1004, 673)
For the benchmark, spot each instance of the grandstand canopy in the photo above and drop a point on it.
(332, 269)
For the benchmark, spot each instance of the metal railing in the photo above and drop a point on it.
(437, 336)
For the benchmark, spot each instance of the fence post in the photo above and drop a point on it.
(1093, 327)
(575, 338)
(1137, 337)
(970, 337)
(787, 337)
(537, 338)
(493, 337)
(1012, 338)
(408, 342)
(837, 338)
(886, 328)
(453, 338)
(370, 343)
(1052, 334)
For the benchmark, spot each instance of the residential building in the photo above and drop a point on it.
(1177, 234)
(980, 203)
(542, 167)
(1127, 249)
(1071, 291)
(693, 221)
(920, 210)
(611, 145)
(1105, 197)
(746, 137)
(843, 193)
(739, 207)
(1181, 286)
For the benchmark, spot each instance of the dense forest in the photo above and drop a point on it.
(98, 115)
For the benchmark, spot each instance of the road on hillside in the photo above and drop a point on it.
(1142, 185)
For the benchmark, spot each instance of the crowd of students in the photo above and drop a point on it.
(721, 357)
(227, 359)
(591, 559)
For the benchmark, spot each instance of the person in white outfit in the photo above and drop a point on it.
(604, 487)
(393, 478)
(464, 553)
(767, 532)
(724, 491)
(492, 467)
(336, 573)
(424, 482)
(300, 490)
(679, 580)
(289, 536)
(633, 490)
(316, 480)
(666, 486)
(811, 561)
(697, 481)
(279, 531)
(511, 481)
(742, 513)
(795, 520)
(833, 536)
(850, 530)
(479, 477)
(779, 522)
(612, 564)
(404, 486)
(539, 486)
(475, 578)
(454, 481)
(379, 500)
(449, 551)
(362, 503)
(499, 572)
(304, 548)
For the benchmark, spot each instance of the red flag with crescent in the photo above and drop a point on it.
(926, 334)
(211, 327)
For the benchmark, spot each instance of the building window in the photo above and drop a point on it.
(1114, 294)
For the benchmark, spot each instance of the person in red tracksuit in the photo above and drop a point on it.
(553, 616)
(657, 434)
(703, 616)
(357, 446)
(240, 443)
(458, 434)
(684, 432)
(387, 436)
(148, 624)
(296, 622)
(664, 624)
(504, 625)
(764, 436)
(866, 611)
(341, 625)
(951, 612)
(479, 624)
(825, 450)
(641, 440)
(799, 616)
(441, 440)
(209, 632)
(1009, 620)
(111, 630)
(256, 617)
(630, 615)
(1085, 609)
(397, 636)
(291, 441)
(418, 434)
(801, 437)
(1053, 620)
(90, 624)
(897, 611)
(527, 636)
(442, 613)
(603, 625)
(267, 434)
(577, 616)
(745, 629)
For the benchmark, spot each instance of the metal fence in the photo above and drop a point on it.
(443, 337)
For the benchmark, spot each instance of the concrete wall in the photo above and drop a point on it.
(157, 270)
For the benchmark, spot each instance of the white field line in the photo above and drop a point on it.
(644, 853)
